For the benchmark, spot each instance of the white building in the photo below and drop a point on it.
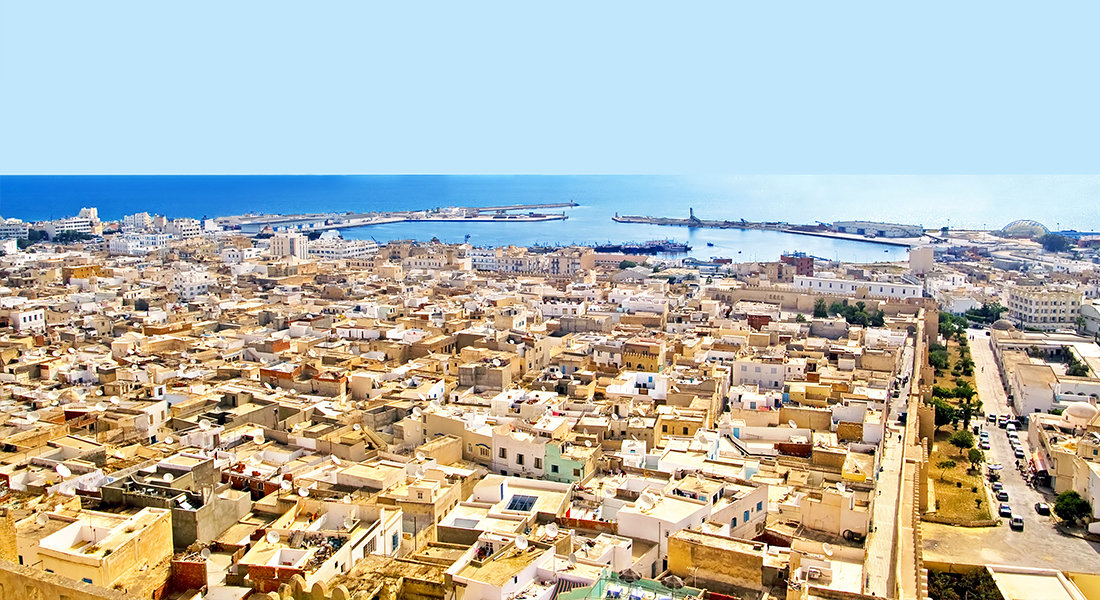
(332, 249)
(289, 244)
(873, 229)
(76, 224)
(32, 320)
(234, 255)
(191, 284)
(8, 246)
(137, 243)
(137, 221)
(1044, 307)
(13, 229)
(184, 228)
(875, 289)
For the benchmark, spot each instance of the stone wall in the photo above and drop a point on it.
(18, 582)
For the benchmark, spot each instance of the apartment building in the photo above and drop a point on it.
(1044, 307)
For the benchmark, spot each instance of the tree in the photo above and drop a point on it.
(821, 310)
(975, 456)
(945, 413)
(1052, 242)
(878, 319)
(945, 466)
(1071, 507)
(800, 318)
(939, 359)
(626, 264)
(962, 439)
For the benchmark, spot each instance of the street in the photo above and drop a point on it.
(1039, 544)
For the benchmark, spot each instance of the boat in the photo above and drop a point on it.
(710, 244)
(650, 247)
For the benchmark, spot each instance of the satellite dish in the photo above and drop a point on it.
(33, 416)
(841, 488)
(204, 425)
(435, 404)
(99, 392)
(335, 460)
(572, 559)
(587, 443)
(100, 406)
(256, 459)
(258, 438)
(63, 471)
(115, 400)
(609, 492)
(420, 457)
(792, 424)
(348, 522)
(205, 553)
(417, 412)
(71, 351)
(615, 417)
(169, 478)
(496, 362)
(356, 427)
(552, 530)
(645, 502)
(347, 499)
(55, 353)
(286, 485)
(41, 519)
(303, 492)
(272, 537)
(827, 549)
(521, 542)
(168, 440)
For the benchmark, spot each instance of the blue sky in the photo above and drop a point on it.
(570, 87)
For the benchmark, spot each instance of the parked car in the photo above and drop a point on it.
(1017, 522)
(1002, 421)
(998, 486)
(991, 417)
(1019, 453)
(985, 445)
(1042, 508)
(1002, 496)
(1004, 510)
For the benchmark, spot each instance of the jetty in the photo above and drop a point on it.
(817, 230)
(306, 222)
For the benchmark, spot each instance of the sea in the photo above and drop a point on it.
(1061, 202)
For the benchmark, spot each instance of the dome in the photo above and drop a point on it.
(1024, 228)
(1003, 325)
(1079, 412)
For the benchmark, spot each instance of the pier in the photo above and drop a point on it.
(819, 230)
(306, 222)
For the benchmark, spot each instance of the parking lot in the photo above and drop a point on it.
(1039, 544)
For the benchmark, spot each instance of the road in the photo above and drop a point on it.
(1039, 544)
(882, 540)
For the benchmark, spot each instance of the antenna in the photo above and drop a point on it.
(827, 549)
(272, 537)
(521, 542)
(552, 530)
(62, 470)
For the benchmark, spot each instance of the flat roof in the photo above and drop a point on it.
(1038, 585)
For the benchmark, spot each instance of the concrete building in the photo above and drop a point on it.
(875, 229)
(137, 222)
(138, 243)
(74, 224)
(857, 288)
(1044, 307)
(290, 244)
(922, 259)
(13, 229)
(184, 228)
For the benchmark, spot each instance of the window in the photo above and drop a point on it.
(395, 541)
(685, 430)
(538, 463)
(420, 495)
(504, 453)
(483, 450)
(553, 468)
(733, 523)
(519, 459)
(522, 503)
(746, 515)
(759, 506)
(664, 428)
(577, 472)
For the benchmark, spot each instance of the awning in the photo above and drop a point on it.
(1038, 462)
